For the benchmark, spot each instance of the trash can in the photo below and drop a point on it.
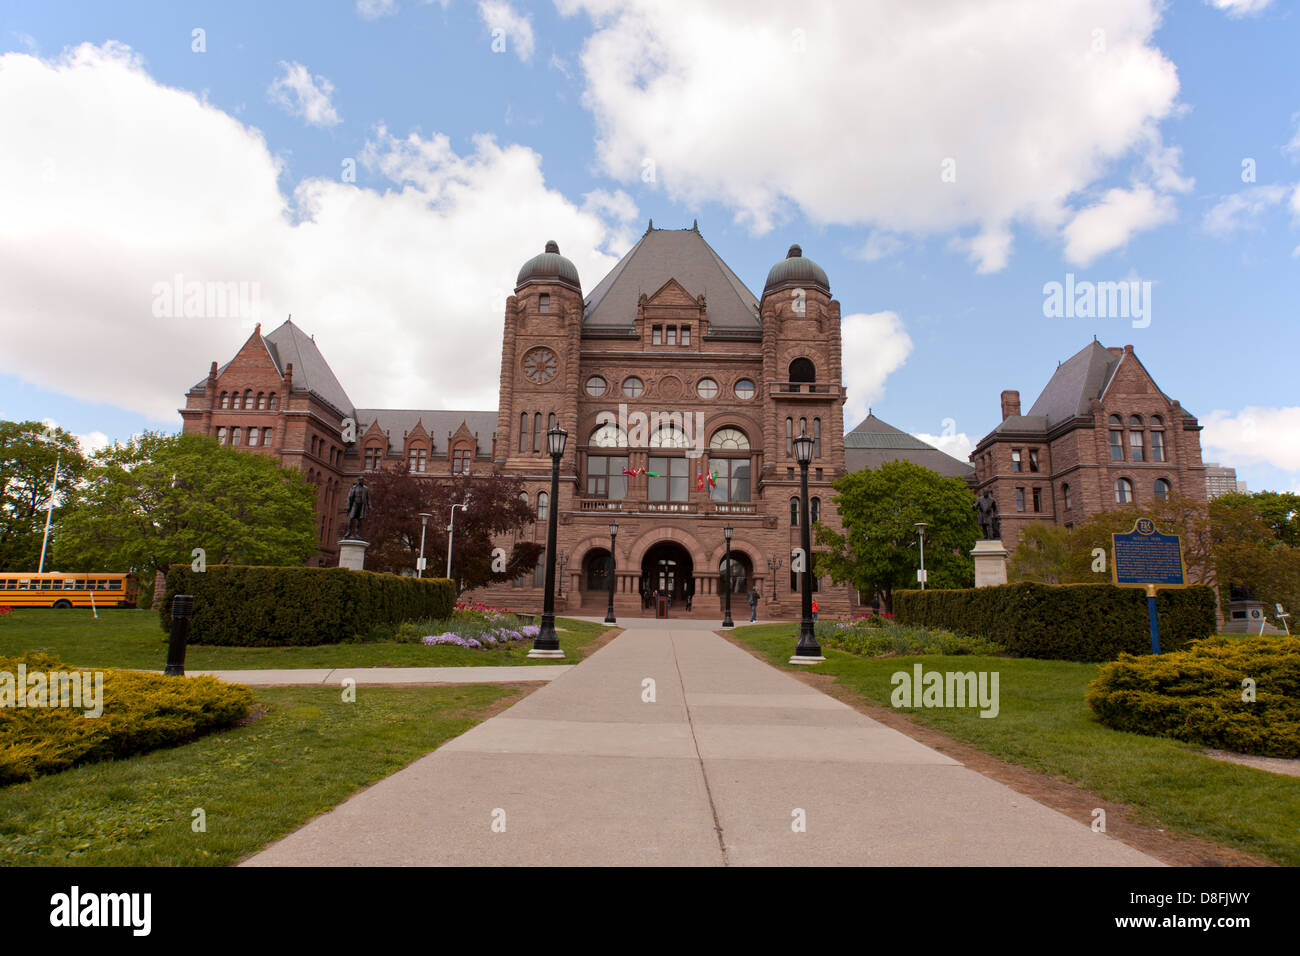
(661, 607)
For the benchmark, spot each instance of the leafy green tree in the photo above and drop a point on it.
(1043, 554)
(878, 551)
(151, 502)
(28, 454)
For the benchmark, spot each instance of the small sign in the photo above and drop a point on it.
(921, 575)
(420, 564)
(1145, 557)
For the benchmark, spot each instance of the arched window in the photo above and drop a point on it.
(234, 436)
(225, 399)
(261, 401)
(789, 436)
(537, 431)
(543, 506)
(550, 421)
(234, 400)
(523, 431)
(267, 435)
(275, 402)
(1135, 421)
(221, 436)
(794, 512)
(669, 436)
(814, 510)
(252, 437)
(1116, 438)
(608, 435)
(1123, 491)
(523, 496)
(1065, 495)
(1135, 445)
(1116, 421)
(1157, 426)
(817, 437)
(248, 398)
(802, 370)
(1161, 489)
(729, 439)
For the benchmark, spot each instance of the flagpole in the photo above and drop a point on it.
(49, 509)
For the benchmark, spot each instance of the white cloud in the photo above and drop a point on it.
(300, 94)
(404, 289)
(374, 9)
(1254, 436)
(1110, 223)
(1240, 8)
(90, 442)
(874, 345)
(1242, 210)
(855, 108)
(516, 29)
(959, 445)
(879, 245)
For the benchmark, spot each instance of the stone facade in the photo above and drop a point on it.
(1101, 435)
(669, 365)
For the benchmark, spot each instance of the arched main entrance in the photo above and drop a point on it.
(668, 568)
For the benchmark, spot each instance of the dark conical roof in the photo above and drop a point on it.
(550, 266)
(795, 270)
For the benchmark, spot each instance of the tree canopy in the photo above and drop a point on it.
(495, 508)
(879, 549)
(28, 453)
(149, 503)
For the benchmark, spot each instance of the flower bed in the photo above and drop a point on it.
(474, 626)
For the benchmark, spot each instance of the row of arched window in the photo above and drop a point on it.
(247, 401)
(814, 511)
(543, 504)
(1160, 491)
(253, 435)
(1146, 441)
(791, 435)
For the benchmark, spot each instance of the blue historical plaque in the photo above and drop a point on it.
(1145, 557)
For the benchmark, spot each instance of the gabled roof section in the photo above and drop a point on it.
(1076, 382)
(439, 423)
(661, 255)
(290, 344)
(874, 442)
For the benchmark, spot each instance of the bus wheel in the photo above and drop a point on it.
(63, 603)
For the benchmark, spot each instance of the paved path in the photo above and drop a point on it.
(584, 772)
(302, 676)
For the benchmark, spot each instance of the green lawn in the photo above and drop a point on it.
(1044, 725)
(254, 783)
(132, 638)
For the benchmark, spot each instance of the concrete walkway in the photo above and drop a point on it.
(714, 772)
(302, 676)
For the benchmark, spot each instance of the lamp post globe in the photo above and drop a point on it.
(807, 651)
(547, 642)
(726, 582)
(613, 564)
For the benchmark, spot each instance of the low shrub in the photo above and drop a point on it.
(887, 639)
(1197, 695)
(141, 712)
(1075, 622)
(248, 606)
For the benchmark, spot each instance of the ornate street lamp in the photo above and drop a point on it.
(547, 642)
(726, 617)
(920, 528)
(775, 564)
(424, 523)
(808, 651)
(613, 533)
(451, 532)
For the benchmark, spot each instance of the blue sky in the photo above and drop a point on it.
(1104, 139)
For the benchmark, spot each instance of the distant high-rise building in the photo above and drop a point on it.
(1221, 480)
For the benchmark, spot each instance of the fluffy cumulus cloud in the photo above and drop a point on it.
(1243, 210)
(374, 9)
(403, 288)
(949, 117)
(957, 444)
(1254, 436)
(510, 26)
(874, 345)
(300, 94)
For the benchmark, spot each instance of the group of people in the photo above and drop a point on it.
(650, 599)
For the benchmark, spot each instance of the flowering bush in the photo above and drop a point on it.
(5, 610)
(474, 626)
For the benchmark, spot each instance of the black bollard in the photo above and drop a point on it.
(182, 611)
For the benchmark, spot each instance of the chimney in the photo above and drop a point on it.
(1010, 403)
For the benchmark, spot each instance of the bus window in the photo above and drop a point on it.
(69, 584)
(24, 584)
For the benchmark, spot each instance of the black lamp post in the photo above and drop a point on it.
(775, 564)
(613, 533)
(547, 642)
(726, 617)
(808, 651)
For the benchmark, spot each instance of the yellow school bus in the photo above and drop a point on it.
(57, 589)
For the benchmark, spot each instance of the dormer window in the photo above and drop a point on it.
(544, 302)
(460, 461)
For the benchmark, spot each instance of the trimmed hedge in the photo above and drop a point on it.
(247, 606)
(1196, 695)
(141, 712)
(1071, 622)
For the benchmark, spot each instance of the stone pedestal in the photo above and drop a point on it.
(990, 563)
(352, 554)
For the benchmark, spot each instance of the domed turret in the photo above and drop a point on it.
(796, 271)
(549, 267)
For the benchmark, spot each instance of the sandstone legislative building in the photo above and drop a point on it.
(681, 391)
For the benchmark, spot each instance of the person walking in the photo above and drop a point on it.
(753, 605)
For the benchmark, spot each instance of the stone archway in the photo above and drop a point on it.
(667, 567)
